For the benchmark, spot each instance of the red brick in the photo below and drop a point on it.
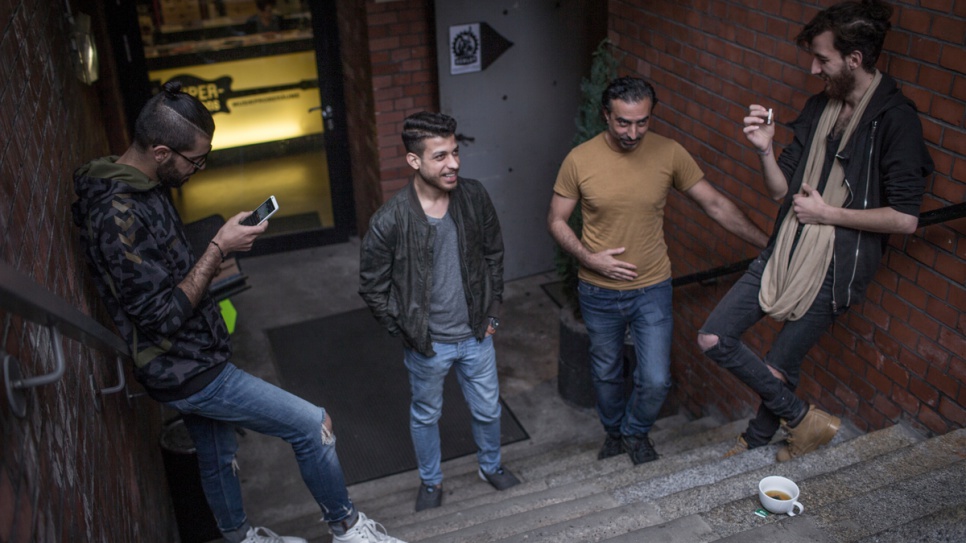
(952, 267)
(903, 265)
(922, 390)
(906, 401)
(948, 110)
(923, 49)
(959, 87)
(911, 361)
(924, 324)
(933, 421)
(862, 388)
(934, 283)
(903, 333)
(904, 70)
(887, 407)
(949, 29)
(937, 378)
(952, 341)
(952, 412)
(923, 252)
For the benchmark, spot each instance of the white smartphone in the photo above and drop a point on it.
(262, 212)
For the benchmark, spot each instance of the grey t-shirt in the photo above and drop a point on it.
(448, 314)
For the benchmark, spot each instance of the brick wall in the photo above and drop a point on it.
(403, 56)
(898, 355)
(68, 471)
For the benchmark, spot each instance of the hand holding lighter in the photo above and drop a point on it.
(770, 116)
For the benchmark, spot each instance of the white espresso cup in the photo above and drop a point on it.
(779, 495)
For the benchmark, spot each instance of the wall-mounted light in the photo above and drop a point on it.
(82, 48)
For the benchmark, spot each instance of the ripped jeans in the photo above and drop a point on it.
(236, 398)
(738, 311)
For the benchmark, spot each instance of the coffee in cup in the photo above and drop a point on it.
(779, 495)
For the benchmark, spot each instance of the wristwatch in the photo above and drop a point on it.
(494, 322)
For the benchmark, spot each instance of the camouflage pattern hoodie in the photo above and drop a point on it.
(136, 247)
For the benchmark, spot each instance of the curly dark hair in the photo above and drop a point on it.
(856, 26)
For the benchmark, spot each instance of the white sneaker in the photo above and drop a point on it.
(366, 530)
(264, 535)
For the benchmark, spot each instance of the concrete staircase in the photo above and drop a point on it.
(890, 485)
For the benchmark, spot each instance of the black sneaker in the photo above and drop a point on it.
(640, 448)
(429, 496)
(613, 446)
(501, 479)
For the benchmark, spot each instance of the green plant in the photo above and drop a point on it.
(589, 122)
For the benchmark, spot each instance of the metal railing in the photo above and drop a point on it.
(936, 216)
(22, 296)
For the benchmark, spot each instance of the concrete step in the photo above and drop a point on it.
(946, 524)
(390, 500)
(462, 482)
(866, 515)
(553, 501)
(694, 485)
(878, 468)
(825, 490)
(574, 477)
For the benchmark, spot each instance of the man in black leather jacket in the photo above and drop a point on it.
(432, 272)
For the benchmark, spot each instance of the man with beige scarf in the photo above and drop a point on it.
(853, 174)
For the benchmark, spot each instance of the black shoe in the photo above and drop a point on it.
(613, 446)
(501, 479)
(640, 448)
(429, 496)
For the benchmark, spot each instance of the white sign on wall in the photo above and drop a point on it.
(464, 49)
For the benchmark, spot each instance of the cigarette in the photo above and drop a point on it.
(770, 116)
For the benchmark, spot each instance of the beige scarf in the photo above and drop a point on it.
(791, 282)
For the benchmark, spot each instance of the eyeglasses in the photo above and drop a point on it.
(198, 162)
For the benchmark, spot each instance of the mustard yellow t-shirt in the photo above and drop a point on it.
(622, 197)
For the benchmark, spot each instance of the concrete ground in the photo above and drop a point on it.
(300, 285)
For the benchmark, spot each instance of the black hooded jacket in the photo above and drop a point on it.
(885, 162)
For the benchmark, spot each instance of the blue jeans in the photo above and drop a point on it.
(236, 398)
(738, 311)
(475, 363)
(607, 314)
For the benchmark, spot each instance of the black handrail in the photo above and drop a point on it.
(20, 295)
(935, 216)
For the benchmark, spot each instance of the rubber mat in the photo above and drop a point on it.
(348, 364)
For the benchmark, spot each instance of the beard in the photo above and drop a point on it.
(841, 85)
(169, 176)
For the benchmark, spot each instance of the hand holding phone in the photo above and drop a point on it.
(262, 212)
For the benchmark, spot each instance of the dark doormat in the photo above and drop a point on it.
(353, 368)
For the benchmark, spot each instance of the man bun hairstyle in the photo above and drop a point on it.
(172, 118)
(628, 89)
(424, 125)
(856, 26)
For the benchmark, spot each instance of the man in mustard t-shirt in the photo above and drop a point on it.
(621, 178)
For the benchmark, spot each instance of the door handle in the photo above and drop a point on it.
(327, 115)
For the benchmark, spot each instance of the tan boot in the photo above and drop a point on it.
(740, 446)
(816, 429)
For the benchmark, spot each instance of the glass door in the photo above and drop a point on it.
(257, 65)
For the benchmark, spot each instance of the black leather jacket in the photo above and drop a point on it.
(396, 263)
(886, 163)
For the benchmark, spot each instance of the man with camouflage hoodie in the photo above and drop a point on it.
(157, 294)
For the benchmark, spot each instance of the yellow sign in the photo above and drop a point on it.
(255, 100)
